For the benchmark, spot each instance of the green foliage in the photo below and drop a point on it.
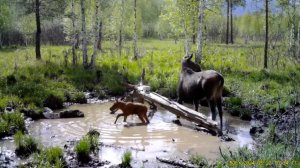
(83, 149)
(49, 157)
(25, 144)
(93, 136)
(126, 158)
(53, 102)
(9, 101)
(268, 155)
(198, 160)
(10, 123)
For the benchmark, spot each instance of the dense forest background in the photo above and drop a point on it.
(161, 19)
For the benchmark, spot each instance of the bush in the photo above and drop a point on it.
(79, 97)
(126, 159)
(25, 145)
(9, 101)
(53, 102)
(11, 80)
(83, 149)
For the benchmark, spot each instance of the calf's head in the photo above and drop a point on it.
(116, 106)
(187, 63)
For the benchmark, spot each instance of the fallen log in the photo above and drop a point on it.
(179, 163)
(176, 108)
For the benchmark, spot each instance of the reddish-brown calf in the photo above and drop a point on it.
(130, 108)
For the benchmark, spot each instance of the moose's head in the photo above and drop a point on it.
(188, 63)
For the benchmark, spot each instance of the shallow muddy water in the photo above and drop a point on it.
(160, 138)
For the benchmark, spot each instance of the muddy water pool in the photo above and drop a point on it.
(160, 138)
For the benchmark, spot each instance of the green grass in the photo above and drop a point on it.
(198, 160)
(93, 136)
(126, 158)
(240, 65)
(83, 149)
(268, 155)
(10, 123)
(25, 145)
(49, 157)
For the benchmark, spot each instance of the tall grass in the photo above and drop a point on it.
(49, 157)
(10, 123)
(25, 144)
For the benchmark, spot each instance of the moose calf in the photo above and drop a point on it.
(130, 108)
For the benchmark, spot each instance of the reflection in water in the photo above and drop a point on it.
(160, 138)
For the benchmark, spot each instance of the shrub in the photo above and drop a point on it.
(83, 149)
(79, 97)
(126, 159)
(11, 101)
(25, 144)
(53, 102)
(11, 80)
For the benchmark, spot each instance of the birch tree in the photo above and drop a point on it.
(266, 34)
(96, 33)
(74, 33)
(84, 35)
(200, 31)
(38, 31)
(121, 28)
(135, 54)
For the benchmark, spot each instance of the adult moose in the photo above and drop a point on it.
(195, 85)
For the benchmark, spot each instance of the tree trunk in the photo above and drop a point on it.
(100, 35)
(187, 40)
(0, 40)
(231, 22)
(266, 35)
(293, 30)
(121, 29)
(194, 30)
(74, 57)
(227, 23)
(298, 40)
(200, 31)
(38, 31)
(135, 54)
(99, 45)
(83, 33)
(96, 32)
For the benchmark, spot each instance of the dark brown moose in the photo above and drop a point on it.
(195, 85)
(130, 108)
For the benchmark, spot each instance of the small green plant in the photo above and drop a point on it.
(26, 145)
(93, 136)
(198, 160)
(126, 159)
(234, 105)
(83, 149)
(49, 157)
